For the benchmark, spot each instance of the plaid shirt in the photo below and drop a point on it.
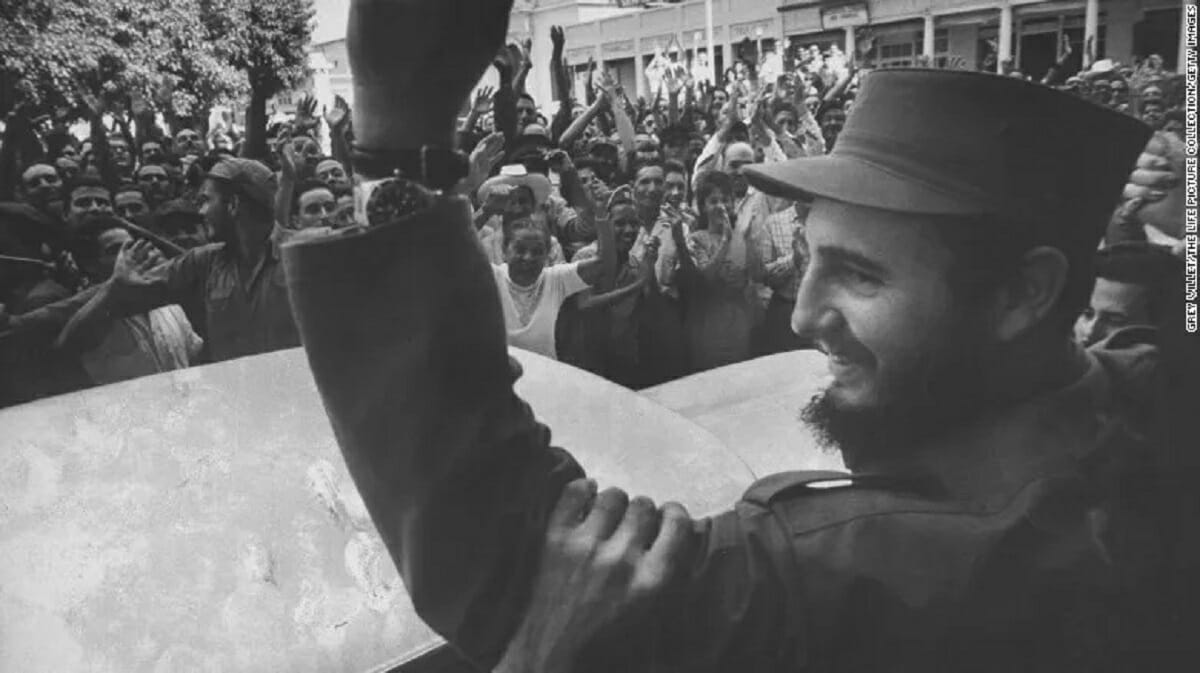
(776, 250)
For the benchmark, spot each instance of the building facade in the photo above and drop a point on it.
(969, 34)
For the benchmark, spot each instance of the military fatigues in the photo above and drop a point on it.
(990, 551)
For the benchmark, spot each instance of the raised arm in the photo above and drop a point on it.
(504, 103)
(526, 54)
(562, 82)
(338, 120)
(624, 122)
(419, 389)
(583, 227)
(480, 105)
(285, 194)
(578, 126)
(602, 268)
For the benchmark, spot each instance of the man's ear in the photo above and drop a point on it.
(233, 204)
(1031, 293)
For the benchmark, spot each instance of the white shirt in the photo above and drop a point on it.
(159, 341)
(531, 313)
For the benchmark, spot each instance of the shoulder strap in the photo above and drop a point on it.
(769, 489)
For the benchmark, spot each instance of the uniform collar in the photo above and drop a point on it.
(1051, 433)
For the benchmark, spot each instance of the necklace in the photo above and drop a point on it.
(526, 299)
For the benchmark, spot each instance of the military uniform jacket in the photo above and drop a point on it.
(991, 551)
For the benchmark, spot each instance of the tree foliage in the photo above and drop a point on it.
(265, 39)
(182, 56)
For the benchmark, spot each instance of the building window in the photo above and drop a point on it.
(896, 55)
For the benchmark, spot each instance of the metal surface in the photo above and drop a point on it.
(203, 520)
(754, 408)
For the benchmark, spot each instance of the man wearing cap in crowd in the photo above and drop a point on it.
(513, 194)
(986, 522)
(233, 290)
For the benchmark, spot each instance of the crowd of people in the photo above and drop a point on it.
(1009, 367)
(624, 236)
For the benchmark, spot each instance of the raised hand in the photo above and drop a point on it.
(134, 263)
(306, 113)
(649, 257)
(483, 99)
(487, 154)
(558, 38)
(560, 161)
(607, 84)
(409, 84)
(339, 115)
(497, 199)
(606, 558)
(288, 161)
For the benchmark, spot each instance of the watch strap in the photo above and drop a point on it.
(435, 167)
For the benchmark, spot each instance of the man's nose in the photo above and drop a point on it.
(812, 315)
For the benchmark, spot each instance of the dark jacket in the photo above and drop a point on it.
(1006, 547)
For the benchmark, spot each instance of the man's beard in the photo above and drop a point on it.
(932, 400)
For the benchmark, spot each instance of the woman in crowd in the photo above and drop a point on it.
(532, 292)
(610, 322)
(717, 269)
(508, 198)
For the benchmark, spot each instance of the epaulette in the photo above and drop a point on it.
(769, 489)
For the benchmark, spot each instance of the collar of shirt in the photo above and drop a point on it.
(1007, 448)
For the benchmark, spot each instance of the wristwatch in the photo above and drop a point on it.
(434, 167)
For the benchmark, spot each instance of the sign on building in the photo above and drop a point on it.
(845, 16)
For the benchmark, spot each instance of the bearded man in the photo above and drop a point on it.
(988, 522)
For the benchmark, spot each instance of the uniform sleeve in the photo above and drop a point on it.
(736, 605)
(417, 382)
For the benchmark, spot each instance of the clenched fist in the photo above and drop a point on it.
(414, 62)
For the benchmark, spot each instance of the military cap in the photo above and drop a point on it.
(942, 142)
(252, 178)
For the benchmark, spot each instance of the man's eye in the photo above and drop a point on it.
(858, 278)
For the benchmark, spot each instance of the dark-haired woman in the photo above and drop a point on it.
(718, 266)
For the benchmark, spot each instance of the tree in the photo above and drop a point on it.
(182, 56)
(57, 53)
(267, 40)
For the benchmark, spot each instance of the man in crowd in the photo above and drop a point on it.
(781, 247)
(332, 173)
(985, 524)
(232, 290)
(155, 183)
(1135, 286)
(315, 205)
(675, 183)
(86, 197)
(189, 143)
(113, 350)
(120, 157)
(67, 168)
(41, 187)
(130, 203)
